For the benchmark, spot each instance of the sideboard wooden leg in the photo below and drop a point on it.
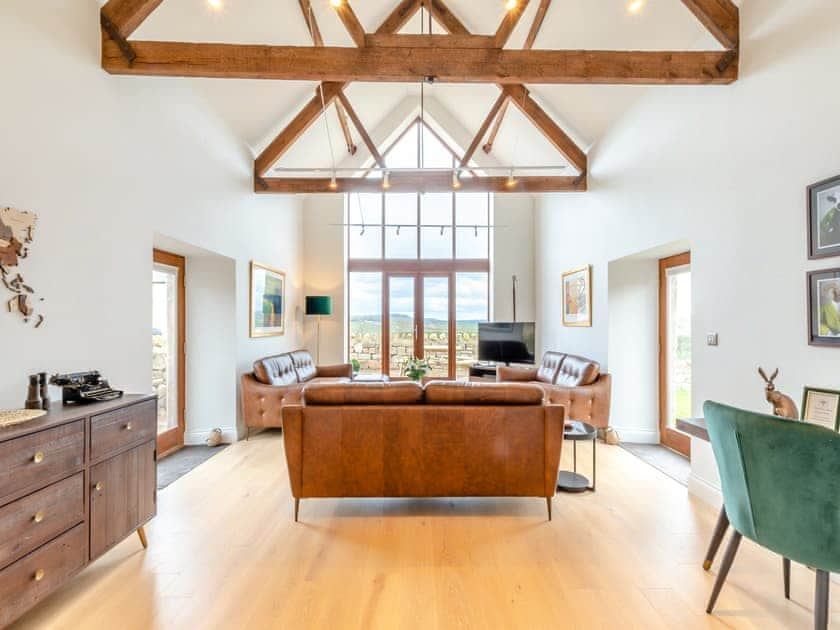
(297, 507)
(548, 504)
(141, 533)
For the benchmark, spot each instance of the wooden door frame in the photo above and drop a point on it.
(672, 438)
(173, 440)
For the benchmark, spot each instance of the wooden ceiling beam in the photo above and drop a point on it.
(720, 17)
(448, 20)
(399, 17)
(128, 15)
(509, 23)
(351, 22)
(357, 122)
(418, 182)
(497, 126)
(295, 129)
(345, 129)
(408, 65)
(430, 41)
(482, 131)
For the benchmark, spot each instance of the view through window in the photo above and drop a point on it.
(419, 269)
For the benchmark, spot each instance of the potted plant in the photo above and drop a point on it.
(416, 369)
(357, 367)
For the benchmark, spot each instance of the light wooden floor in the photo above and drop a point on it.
(225, 553)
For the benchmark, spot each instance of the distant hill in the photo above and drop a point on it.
(404, 323)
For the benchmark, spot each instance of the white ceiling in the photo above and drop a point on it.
(257, 110)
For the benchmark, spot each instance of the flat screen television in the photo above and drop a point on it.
(507, 342)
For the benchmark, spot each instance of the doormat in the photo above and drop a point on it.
(181, 462)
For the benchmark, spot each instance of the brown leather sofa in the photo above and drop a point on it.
(282, 377)
(575, 382)
(402, 440)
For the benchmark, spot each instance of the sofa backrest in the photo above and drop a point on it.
(456, 393)
(304, 365)
(577, 371)
(276, 370)
(550, 367)
(346, 394)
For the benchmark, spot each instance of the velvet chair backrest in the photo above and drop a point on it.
(780, 482)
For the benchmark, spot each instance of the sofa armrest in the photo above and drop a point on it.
(262, 403)
(587, 403)
(293, 446)
(506, 374)
(344, 370)
(554, 426)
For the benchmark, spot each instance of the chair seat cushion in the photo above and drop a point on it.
(340, 394)
(453, 393)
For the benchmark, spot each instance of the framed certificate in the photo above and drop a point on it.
(821, 406)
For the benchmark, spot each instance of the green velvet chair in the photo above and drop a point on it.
(781, 489)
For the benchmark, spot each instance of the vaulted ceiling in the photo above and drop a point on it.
(257, 110)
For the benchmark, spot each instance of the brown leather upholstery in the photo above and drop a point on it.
(423, 450)
(579, 386)
(452, 393)
(363, 394)
(576, 371)
(550, 367)
(275, 380)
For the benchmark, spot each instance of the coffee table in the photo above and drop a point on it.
(572, 481)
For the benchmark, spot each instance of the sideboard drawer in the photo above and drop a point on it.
(35, 460)
(111, 432)
(30, 579)
(28, 523)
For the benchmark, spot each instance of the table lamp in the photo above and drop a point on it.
(318, 305)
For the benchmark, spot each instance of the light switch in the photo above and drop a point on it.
(712, 339)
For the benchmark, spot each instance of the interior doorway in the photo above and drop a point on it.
(168, 348)
(675, 350)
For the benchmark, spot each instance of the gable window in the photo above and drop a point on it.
(418, 267)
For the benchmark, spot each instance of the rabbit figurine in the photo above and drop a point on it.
(215, 438)
(783, 406)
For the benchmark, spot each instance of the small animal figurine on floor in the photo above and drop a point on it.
(783, 406)
(215, 438)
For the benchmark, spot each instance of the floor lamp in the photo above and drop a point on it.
(318, 305)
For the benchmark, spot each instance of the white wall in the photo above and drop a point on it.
(106, 162)
(724, 168)
(324, 264)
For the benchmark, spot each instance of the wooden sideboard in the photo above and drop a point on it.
(73, 484)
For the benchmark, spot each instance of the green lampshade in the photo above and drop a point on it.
(318, 305)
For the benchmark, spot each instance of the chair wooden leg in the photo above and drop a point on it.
(141, 534)
(786, 576)
(548, 505)
(247, 433)
(720, 531)
(821, 601)
(726, 564)
(297, 508)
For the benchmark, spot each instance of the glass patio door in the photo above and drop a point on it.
(403, 329)
(436, 319)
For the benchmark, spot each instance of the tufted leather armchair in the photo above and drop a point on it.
(279, 380)
(574, 382)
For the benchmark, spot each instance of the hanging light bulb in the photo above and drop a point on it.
(511, 180)
(398, 230)
(333, 182)
(336, 3)
(386, 180)
(510, 5)
(362, 233)
(215, 4)
(442, 227)
(456, 179)
(475, 229)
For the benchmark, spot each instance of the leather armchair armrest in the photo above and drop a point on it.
(506, 374)
(588, 403)
(344, 370)
(293, 446)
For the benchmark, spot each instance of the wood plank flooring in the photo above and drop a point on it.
(224, 552)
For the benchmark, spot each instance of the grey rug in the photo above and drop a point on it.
(664, 459)
(181, 462)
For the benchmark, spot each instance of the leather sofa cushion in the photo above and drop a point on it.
(450, 393)
(276, 370)
(577, 371)
(304, 365)
(329, 394)
(550, 367)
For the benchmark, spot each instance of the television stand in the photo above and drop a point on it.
(483, 372)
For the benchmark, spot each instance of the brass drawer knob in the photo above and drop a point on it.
(39, 575)
(128, 426)
(99, 485)
(39, 517)
(38, 457)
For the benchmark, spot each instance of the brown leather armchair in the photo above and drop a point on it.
(575, 382)
(280, 379)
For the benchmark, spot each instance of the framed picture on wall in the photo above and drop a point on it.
(577, 297)
(268, 301)
(821, 406)
(824, 219)
(824, 307)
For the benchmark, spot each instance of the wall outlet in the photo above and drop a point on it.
(712, 339)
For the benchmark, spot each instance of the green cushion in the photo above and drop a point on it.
(780, 482)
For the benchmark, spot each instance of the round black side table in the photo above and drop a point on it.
(572, 481)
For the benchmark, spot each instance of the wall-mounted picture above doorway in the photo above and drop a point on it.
(824, 307)
(824, 219)
(268, 301)
(577, 297)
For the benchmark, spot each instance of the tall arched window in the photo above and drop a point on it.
(418, 268)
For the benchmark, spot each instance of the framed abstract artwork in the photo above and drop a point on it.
(824, 307)
(577, 297)
(268, 301)
(824, 219)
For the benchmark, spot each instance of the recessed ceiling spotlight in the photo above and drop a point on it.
(510, 5)
(635, 6)
(336, 3)
(215, 4)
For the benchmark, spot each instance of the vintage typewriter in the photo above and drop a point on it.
(84, 387)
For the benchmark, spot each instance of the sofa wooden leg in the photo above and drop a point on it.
(786, 576)
(728, 558)
(297, 508)
(247, 433)
(548, 505)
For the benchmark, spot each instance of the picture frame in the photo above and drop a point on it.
(267, 301)
(824, 219)
(822, 407)
(824, 307)
(577, 297)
